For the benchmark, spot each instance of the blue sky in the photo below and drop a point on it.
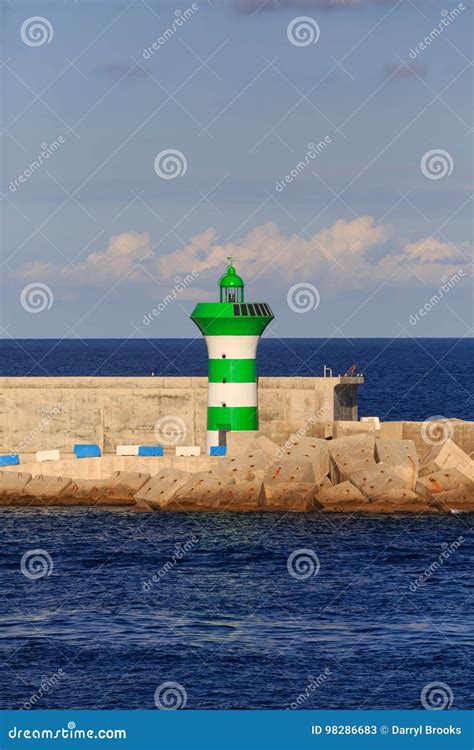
(105, 239)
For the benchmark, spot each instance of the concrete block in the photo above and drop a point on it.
(123, 485)
(374, 420)
(312, 450)
(289, 497)
(350, 454)
(10, 460)
(375, 481)
(127, 450)
(340, 492)
(439, 481)
(401, 456)
(272, 450)
(244, 468)
(86, 451)
(460, 499)
(200, 492)
(363, 444)
(53, 455)
(289, 472)
(188, 450)
(150, 451)
(236, 498)
(12, 484)
(243, 497)
(325, 484)
(447, 455)
(323, 429)
(342, 470)
(161, 488)
(44, 488)
(391, 504)
(218, 450)
(238, 443)
(397, 496)
(347, 429)
(84, 492)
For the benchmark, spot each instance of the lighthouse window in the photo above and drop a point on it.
(260, 310)
(251, 310)
(267, 308)
(243, 309)
(237, 310)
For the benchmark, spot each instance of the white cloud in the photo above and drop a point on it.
(119, 259)
(347, 255)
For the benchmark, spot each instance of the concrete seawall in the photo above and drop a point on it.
(56, 412)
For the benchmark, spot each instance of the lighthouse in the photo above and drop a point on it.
(232, 328)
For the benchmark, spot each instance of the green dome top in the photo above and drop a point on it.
(230, 278)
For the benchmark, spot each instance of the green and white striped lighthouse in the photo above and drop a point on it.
(232, 329)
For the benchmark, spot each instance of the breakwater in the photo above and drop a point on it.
(47, 413)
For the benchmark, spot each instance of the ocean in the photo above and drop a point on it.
(119, 615)
(212, 605)
(411, 379)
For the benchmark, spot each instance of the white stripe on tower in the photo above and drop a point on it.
(232, 394)
(234, 347)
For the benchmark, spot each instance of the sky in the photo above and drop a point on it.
(322, 144)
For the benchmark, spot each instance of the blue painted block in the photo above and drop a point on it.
(10, 460)
(218, 450)
(86, 451)
(150, 450)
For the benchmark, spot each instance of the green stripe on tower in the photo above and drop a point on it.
(233, 417)
(232, 370)
(215, 319)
